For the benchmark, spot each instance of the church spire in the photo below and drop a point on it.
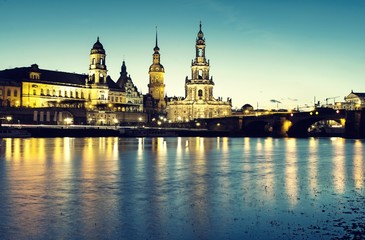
(156, 49)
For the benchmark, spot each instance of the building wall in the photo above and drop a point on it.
(10, 96)
(182, 110)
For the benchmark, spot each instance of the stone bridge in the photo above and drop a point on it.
(288, 124)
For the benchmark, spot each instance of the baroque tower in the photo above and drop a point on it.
(199, 101)
(97, 67)
(199, 87)
(97, 79)
(156, 86)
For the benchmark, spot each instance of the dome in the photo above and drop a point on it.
(157, 68)
(98, 47)
(247, 107)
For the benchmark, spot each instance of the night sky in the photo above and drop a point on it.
(289, 51)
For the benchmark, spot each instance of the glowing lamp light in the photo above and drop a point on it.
(9, 118)
(68, 121)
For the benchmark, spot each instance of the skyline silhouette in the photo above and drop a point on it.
(259, 51)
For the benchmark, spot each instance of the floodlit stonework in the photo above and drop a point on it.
(199, 101)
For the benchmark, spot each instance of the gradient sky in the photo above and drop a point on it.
(290, 51)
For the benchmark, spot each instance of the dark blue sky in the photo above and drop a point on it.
(258, 50)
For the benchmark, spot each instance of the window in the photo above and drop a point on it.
(15, 93)
(77, 94)
(200, 93)
(65, 93)
(34, 92)
(82, 94)
(200, 74)
(8, 93)
(42, 91)
(48, 92)
(71, 94)
(60, 93)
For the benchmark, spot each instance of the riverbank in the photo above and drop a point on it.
(113, 131)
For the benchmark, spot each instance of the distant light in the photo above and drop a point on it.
(68, 120)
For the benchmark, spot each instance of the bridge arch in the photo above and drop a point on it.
(258, 128)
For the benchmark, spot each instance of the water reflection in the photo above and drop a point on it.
(358, 165)
(313, 166)
(291, 170)
(163, 187)
(338, 164)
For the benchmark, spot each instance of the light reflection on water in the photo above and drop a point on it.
(175, 188)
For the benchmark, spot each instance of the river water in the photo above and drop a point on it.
(181, 188)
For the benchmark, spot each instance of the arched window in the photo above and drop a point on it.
(8, 93)
(60, 93)
(77, 94)
(48, 92)
(93, 61)
(15, 93)
(101, 78)
(200, 74)
(42, 91)
(200, 93)
(34, 92)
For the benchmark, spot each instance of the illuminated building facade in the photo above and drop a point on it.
(96, 92)
(354, 101)
(199, 101)
(132, 100)
(10, 92)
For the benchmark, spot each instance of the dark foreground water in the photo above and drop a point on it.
(181, 188)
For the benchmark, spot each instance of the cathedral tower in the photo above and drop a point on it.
(199, 101)
(97, 67)
(200, 86)
(156, 86)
